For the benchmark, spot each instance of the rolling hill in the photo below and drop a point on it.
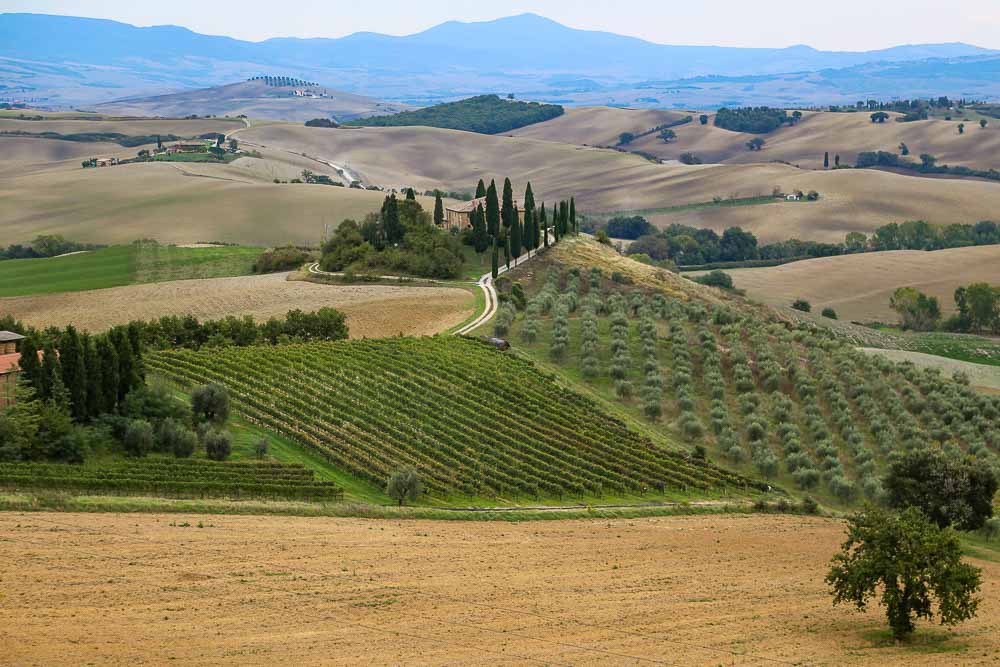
(597, 126)
(255, 99)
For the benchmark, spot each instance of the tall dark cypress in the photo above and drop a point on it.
(390, 220)
(31, 366)
(492, 211)
(516, 239)
(544, 224)
(572, 216)
(480, 189)
(51, 372)
(109, 374)
(74, 373)
(411, 195)
(480, 237)
(95, 377)
(563, 218)
(507, 205)
(438, 209)
(126, 363)
(529, 198)
(506, 249)
(496, 258)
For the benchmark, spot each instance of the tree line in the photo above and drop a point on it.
(485, 114)
(755, 120)
(45, 245)
(978, 309)
(927, 164)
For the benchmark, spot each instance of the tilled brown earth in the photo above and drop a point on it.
(105, 589)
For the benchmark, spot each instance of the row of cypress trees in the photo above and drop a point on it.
(88, 375)
(500, 225)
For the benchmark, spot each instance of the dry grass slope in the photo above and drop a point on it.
(597, 126)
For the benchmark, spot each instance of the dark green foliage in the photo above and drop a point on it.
(438, 209)
(755, 144)
(755, 120)
(129, 141)
(492, 211)
(404, 485)
(74, 373)
(948, 490)
(829, 313)
(703, 119)
(480, 189)
(879, 117)
(480, 236)
(260, 448)
(802, 304)
(45, 245)
(909, 562)
(275, 260)
(486, 114)
(716, 279)
(31, 365)
(629, 227)
(916, 310)
(210, 403)
(218, 445)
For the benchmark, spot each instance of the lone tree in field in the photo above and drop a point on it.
(703, 119)
(755, 144)
(210, 403)
(879, 117)
(667, 135)
(983, 123)
(826, 160)
(404, 485)
(961, 128)
(910, 561)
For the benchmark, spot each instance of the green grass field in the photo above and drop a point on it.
(122, 265)
(195, 157)
(964, 347)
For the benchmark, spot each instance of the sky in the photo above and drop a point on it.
(843, 25)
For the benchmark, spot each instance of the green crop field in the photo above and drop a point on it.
(476, 423)
(788, 403)
(122, 265)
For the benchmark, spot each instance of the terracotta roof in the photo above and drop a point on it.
(8, 336)
(10, 363)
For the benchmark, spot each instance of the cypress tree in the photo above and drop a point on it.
(515, 234)
(438, 209)
(528, 232)
(826, 160)
(496, 258)
(480, 189)
(95, 377)
(563, 218)
(492, 211)
(572, 216)
(529, 198)
(544, 223)
(506, 250)
(390, 220)
(507, 205)
(126, 363)
(480, 237)
(31, 367)
(51, 372)
(134, 333)
(109, 374)
(411, 195)
(74, 373)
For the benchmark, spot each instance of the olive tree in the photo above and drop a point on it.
(210, 403)
(404, 485)
(218, 445)
(909, 561)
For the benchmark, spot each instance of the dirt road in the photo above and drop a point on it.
(134, 589)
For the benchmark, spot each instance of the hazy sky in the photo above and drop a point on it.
(825, 24)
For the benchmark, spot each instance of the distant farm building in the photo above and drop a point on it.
(105, 161)
(10, 366)
(188, 148)
(459, 216)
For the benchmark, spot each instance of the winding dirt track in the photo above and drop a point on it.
(133, 589)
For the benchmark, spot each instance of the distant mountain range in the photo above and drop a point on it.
(79, 61)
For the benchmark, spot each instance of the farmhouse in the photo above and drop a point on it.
(459, 216)
(105, 161)
(188, 148)
(9, 366)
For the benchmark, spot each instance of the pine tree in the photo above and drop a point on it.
(74, 373)
(507, 205)
(516, 234)
(480, 237)
(492, 211)
(31, 367)
(438, 209)
(572, 216)
(95, 378)
(826, 160)
(496, 258)
(480, 189)
(51, 371)
(109, 374)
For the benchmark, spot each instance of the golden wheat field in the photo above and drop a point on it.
(597, 126)
(859, 286)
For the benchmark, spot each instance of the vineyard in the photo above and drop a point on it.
(179, 478)
(473, 421)
(782, 401)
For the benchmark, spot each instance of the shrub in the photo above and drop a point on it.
(138, 439)
(260, 448)
(404, 485)
(802, 304)
(806, 478)
(829, 313)
(218, 445)
(716, 278)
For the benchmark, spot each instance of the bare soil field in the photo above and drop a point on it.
(176, 203)
(858, 286)
(130, 126)
(372, 310)
(597, 126)
(124, 589)
(606, 180)
(846, 134)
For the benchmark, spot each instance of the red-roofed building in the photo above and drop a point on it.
(10, 365)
